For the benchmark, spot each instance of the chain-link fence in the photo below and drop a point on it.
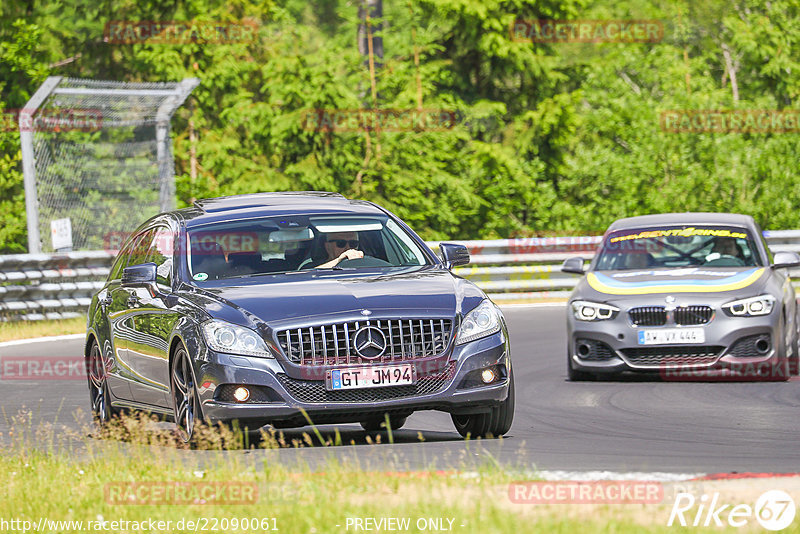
(97, 153)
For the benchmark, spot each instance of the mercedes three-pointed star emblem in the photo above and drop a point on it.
(369, 342)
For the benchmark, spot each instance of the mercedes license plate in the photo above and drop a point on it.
(370, 377)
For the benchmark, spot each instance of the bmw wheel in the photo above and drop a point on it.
(185, 401)
(577, 376)
(783, 370)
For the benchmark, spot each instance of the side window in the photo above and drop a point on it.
(160, 253)
(123, 258)
(119, 263)
(140, 248)
(404, 246)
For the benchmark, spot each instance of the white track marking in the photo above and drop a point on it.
(41, 340)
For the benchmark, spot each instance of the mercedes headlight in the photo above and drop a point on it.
(482, 321)
(233, 339)
(752, 307)
(584, 310)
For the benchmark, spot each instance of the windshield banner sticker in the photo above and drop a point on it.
(680, 232)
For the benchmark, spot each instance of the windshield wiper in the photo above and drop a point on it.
(334, 268)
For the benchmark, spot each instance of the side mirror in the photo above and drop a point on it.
(784, 260)
(454, 254)
(572, 265)
(137, 275)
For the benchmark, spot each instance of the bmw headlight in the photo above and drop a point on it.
(583, 310)
(233, 339)
(754, 306)
(482, 321)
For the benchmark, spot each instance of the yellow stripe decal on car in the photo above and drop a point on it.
(606, 284)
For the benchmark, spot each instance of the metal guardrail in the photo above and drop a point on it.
(57, 286)
(50, 286)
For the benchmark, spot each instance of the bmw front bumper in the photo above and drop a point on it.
(744, 347)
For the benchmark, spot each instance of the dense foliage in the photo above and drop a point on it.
(551, 137)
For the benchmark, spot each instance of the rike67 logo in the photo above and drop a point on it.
(773, 510)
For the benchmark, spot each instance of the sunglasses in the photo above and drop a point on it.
(342, 242)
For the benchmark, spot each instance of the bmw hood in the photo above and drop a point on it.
(298, 297)
(615, 284)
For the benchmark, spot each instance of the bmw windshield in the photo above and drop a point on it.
(682, 246)
(274, 245)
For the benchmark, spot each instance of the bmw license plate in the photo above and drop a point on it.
(370, 377)
(667, 336)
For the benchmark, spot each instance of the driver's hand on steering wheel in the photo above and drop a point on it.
(350, 254)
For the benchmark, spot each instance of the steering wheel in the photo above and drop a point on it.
(726, 260)
(366, 261)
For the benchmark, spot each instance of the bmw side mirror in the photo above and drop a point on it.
(138, 275)
(784, 260)
(573, 265)
(454, 254)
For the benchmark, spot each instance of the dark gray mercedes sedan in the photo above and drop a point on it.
(688, 295)
(291, 308)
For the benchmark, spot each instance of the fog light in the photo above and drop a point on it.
(488, 376)
(241, 394)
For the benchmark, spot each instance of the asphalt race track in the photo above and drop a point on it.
(632, 424)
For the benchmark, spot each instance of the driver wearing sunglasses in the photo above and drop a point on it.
(341, 246)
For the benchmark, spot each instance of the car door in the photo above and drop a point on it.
(113, 302)
(124, 299)
(153, 320)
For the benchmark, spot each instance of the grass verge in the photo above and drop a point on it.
(136, 479)
(10, 331)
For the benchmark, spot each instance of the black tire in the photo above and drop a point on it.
(794, 361)
(185, 402)
(503, 415)
(492, 424)
(783, 371)
(376, 424)
(473, 425)
(780, 372)
(577, 376)
(99, 393)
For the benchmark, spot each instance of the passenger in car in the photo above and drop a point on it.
(210, 261)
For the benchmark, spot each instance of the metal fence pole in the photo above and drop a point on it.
(166, 163)
(29, 161)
